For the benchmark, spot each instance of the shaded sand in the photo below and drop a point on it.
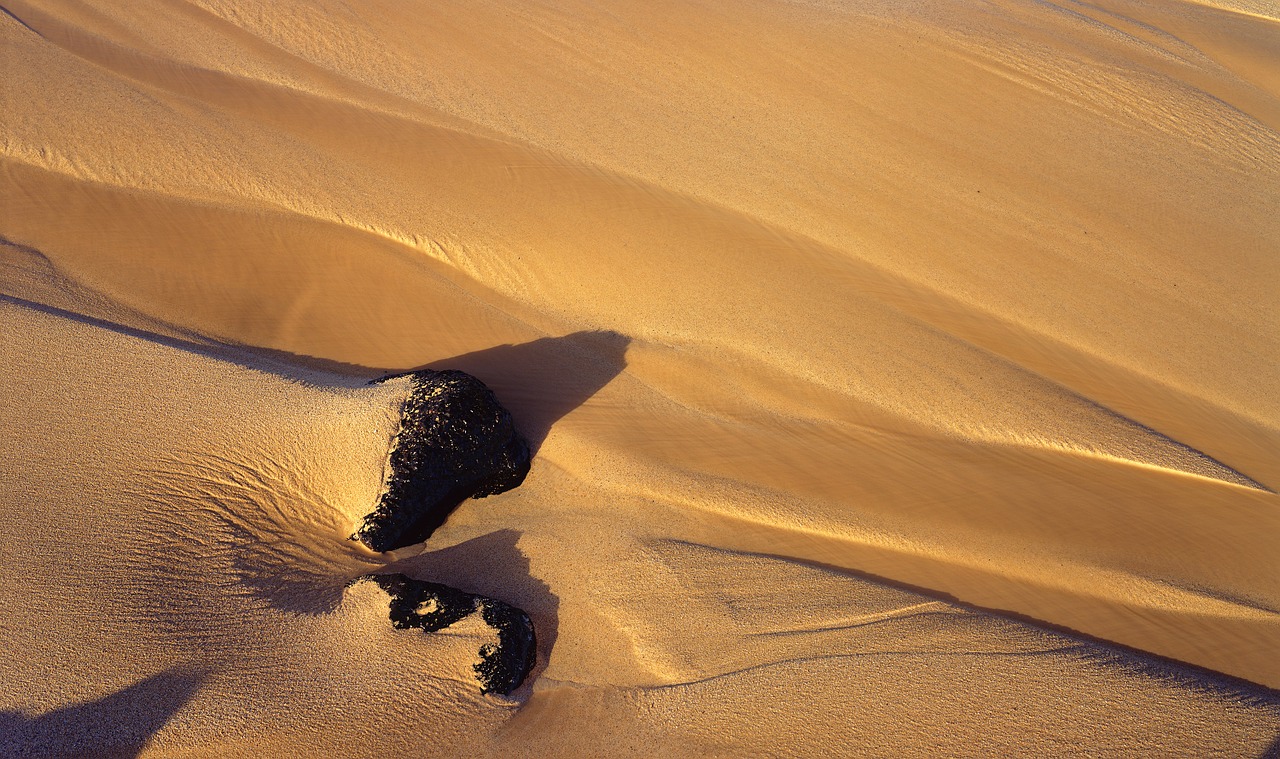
(821, 316)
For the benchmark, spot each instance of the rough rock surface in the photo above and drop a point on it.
(455, 442)
(430, 606)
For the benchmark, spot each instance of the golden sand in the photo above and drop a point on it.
(839, 327)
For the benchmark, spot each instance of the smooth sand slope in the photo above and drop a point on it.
(794, 299)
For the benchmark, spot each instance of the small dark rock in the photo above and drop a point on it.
(430, 606)
(426, 605)
(503, 667)
(455, 442)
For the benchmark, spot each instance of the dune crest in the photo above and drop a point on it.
(876, 358)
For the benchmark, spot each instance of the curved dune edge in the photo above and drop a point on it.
(793, 299)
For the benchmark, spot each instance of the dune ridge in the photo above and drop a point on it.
(794, 297)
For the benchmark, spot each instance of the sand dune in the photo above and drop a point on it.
(886, 365)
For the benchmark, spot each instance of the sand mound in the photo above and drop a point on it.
(834, 328)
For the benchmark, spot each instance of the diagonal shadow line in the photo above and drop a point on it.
(280, 363)
(539, 381)
(24, 24)
(117, 725)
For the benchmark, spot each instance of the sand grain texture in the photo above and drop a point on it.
(836, 326)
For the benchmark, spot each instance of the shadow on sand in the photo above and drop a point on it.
(118, 725)
(493, 565)
(253, 501)
(541, 381)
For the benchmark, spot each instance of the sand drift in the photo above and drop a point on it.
(884, 364)
(455, 442)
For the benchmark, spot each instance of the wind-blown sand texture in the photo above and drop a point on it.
(818, 314)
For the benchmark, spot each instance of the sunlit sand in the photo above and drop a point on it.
(903, 379)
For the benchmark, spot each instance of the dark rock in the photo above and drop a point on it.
(455, 442)
(427, 606)
(430, 606)
(504, 666)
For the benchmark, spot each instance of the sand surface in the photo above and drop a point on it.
(904, 376)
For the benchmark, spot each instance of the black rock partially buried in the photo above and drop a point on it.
(430, 606)
(455, 442)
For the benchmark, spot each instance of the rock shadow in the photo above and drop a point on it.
(541, 381)
(118, 725)
(492, 565)
(277, 532)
